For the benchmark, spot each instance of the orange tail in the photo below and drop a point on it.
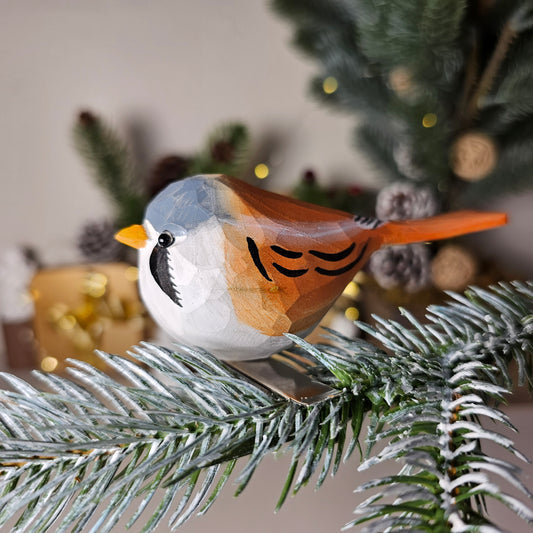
(440, 226)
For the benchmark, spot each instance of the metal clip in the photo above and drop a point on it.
(286, 374)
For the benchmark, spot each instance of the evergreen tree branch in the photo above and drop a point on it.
(466, 64)
(111, 164)
(175, 424)
(225, 152)
(508, 35)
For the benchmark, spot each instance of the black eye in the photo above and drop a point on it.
(165, 239)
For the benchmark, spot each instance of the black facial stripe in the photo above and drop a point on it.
(344, 269)
(288, 272)
(286, 253)
(339, 256)
(160, 269)
(254, 252)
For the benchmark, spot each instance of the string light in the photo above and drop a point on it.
(429, 120)
(95, 284)
(360, 277)
(351, 313)
(67, 321)
(132, 273)
(49, 364)
(352, 290)
(261, 171)
(330, 85)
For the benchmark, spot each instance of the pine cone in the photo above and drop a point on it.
(223, 152)
(97, 243)
(166, 170)
(87, 118)
(404, 159)
(309, 190)
(309, 177)
(401, 201)
(406, 266)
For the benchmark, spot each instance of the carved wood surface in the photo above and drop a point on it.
(231, 268)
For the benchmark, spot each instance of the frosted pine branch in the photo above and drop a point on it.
(175, 423)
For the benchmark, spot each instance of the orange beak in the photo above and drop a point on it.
(134, 236)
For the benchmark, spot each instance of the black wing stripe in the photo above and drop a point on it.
(286, 253)
(288, 272)
(344, 269)
(338, 256)
(254, 252)
(367, 222)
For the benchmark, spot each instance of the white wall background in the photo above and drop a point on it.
(164, 72)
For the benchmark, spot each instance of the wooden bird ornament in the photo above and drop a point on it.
(231, 268)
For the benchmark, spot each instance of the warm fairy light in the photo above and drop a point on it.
(95, 284)
(429, 120)
(67, 321)
(360, 277)
(132, 273)
(261, 171)
(351, 313)
(351, 290)
(330, 85)
(49, 364)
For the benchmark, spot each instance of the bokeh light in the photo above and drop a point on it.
(261, 171)
(49, 364)
(429, 120)
(330, 85)
(351, 313)
(132, 273)
(352, 290)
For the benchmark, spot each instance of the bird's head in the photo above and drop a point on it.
(171, 219)
(176, 211)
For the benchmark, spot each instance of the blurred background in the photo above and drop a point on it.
(109, 93)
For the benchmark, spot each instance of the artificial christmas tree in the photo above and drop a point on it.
(440, 90)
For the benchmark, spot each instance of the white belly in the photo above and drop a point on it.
(206, 318)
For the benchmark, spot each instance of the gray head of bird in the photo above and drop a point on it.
(181, 259)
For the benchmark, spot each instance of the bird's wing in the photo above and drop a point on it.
(288, 261)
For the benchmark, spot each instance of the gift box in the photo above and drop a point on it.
(83, 308)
